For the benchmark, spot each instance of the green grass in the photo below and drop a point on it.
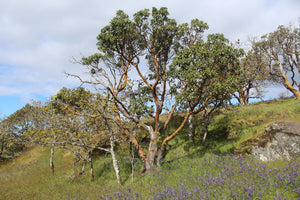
(222, 177)
(29, 176)
(240, 126)
(186, 170)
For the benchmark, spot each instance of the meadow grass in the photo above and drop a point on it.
(213, 170)
(208, 177)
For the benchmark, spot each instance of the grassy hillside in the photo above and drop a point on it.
(236, 129)
(213, 170)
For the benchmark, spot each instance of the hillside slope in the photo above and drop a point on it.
(190, 171)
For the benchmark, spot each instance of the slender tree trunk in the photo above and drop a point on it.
(247, 96)
(205, 129)
(114, 158)
(132, 153)
(239, 97)
(115, 163)
(205, 124)
(90, 160)
(190, 122)
(2, 149)
(51, 158)
(241, 101)
(83, 167)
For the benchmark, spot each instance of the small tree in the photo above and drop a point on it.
(5, 143)
(278, 56)
(47, 128)
(251, 80)
(14, 127)
(94, 123)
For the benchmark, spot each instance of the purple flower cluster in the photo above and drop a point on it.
(210, 177)
(219, 177)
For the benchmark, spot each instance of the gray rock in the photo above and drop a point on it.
(282, 142)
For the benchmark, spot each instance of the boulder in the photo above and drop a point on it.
(281, 141)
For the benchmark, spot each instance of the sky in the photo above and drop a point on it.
(39, 39)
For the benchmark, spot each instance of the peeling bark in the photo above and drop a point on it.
(149, 162)
(115, 164)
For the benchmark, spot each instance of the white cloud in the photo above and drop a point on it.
(8, 91)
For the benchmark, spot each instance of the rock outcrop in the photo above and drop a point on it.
(281, 141)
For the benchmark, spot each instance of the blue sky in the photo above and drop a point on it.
(39, 38)
(12, 103)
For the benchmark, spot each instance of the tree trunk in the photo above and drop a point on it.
(190, 122)
(239, 96)
(247, 96)
(2, 149)
(149, 162)
(205, 124)
(90, 160)
(205, 129)
(51, 158)
(132, 153)
(115, 161)
(287, 83)
(83, 168)
(289, 86)
(241, 101)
